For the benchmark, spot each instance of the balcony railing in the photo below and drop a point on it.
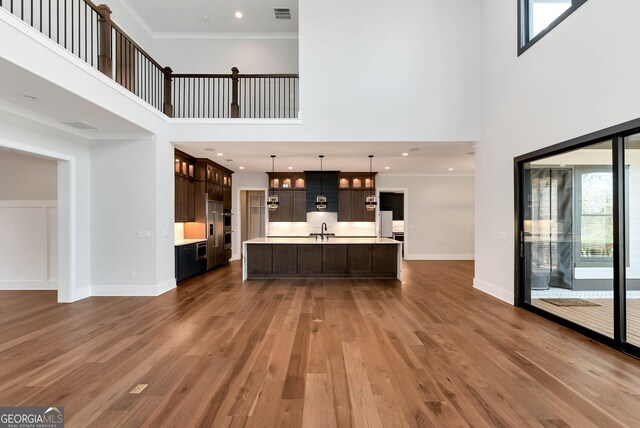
(86, 30)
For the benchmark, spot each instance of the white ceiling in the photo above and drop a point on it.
(186, 16)
(57, 105)
(431, 158)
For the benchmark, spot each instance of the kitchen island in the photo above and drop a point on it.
(316, 258)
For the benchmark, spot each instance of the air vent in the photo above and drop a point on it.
(80, 125)
(282, 12)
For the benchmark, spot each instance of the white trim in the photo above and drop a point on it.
(153, 290)
(494, 291)
(408, 256)
(243, 122)
(28, 204)
(230, 36)
(28, 285)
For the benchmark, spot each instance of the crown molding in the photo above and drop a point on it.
(42, 119)
(126, 5)
(238, 36)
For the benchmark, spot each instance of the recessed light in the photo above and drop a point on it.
(450, 169)
(241, 167)
(289, 167)
(405, 154)
(205, 18)
(238, 14)
(30, 97)
(564, 164)
(387, 167)
(220, 154)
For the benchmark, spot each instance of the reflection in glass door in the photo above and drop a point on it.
(567, 241)
(632, 234)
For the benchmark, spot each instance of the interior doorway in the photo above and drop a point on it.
(392, 215)
(40, 221)
(252, 215)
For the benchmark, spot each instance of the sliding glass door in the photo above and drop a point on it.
(567, 236)
(578, 235)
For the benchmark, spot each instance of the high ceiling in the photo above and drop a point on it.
(215, 16)
(429, 158)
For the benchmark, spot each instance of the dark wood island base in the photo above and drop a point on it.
(307, 258)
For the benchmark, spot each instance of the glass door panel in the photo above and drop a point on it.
(632, 235)
(567, 236)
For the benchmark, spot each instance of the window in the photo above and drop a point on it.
(596, 214)
(538, 17)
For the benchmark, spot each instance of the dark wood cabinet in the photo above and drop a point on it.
(322, 260)
(285, 260)
(184, 199)
(186, 263)
(299, 205)
(226, 197)
(393, 202)
(292, 207)
(309, 259)
(360, 258)
(357, 205)
(344, 205)
(261, 257)
(385, 259)
(334, 259)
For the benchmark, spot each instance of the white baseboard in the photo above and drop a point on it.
(492, 290)
(133, 290)
(28, 285)
(81, 293)
(408, 256)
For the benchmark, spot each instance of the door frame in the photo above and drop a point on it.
(616, 134)
(66, 203)
(237, 226)
(407, 234)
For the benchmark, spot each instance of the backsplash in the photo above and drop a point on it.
(315, 220)
(398, 226)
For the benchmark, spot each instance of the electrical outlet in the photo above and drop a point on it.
(132, 274)
(144, 234)
(502, 236)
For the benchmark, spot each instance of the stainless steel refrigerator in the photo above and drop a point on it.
(215, 234)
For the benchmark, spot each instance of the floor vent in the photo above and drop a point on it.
(282, 12)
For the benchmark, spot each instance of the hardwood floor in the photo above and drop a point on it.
(328, 353)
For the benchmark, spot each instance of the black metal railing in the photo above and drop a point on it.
(72, 24)
(87, 31)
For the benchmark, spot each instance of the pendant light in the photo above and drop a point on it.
(321, 200)
(370, 201)
(272, 200)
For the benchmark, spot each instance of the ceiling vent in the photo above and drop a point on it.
(80, 125)
(282, 12)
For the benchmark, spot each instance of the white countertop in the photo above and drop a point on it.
(188, 241)
(331, 240)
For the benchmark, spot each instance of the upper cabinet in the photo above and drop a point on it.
(356, 180)
(353, 188)
(197, 180)
(290, 187)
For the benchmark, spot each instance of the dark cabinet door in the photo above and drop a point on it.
(191, 201)
(309, 259)
(226, 198)
(275, 215)
(299, 205)
(286, 205)
(385, 259)
(334, 259)
(186, 261)
(360, 258)
(259, 259)
(344, 205)
(285, 259)
(177, 194)
(357, 205)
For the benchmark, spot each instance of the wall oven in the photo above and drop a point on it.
(227, 220)
(227, 240)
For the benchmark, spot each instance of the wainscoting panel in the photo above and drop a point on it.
(28, 245)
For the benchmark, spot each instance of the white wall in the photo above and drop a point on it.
(439, 220)
(27, 178)
(578, 79)
(366, 75)
(218, 55)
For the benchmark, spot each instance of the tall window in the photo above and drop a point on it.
(538, 17)
(596, 213)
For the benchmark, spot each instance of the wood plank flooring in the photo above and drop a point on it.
(430, 351)
(598, 318)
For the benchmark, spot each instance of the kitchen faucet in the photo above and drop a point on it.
(323, 229)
